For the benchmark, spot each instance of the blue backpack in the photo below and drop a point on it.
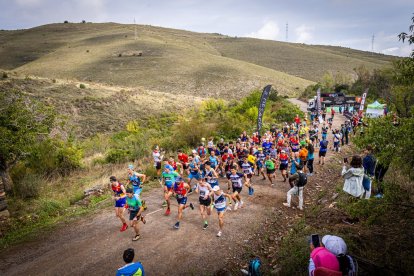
(254, 267)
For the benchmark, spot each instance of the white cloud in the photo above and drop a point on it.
(304, 33)
(403, 51)
(25, 3)
(270, 30)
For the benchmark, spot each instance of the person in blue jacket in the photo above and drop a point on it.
(131, 268)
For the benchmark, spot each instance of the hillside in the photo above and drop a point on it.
(172, 61)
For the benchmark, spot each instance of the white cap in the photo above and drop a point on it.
(334, 244)
(194, 151)
(216, 188)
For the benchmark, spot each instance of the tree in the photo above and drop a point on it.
(409, 37)
(23, 123)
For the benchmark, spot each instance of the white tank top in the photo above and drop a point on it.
(203, 190)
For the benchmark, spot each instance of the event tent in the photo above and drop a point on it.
(375, 110)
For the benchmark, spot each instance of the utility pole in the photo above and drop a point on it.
(287, 31)
(372, 44)
(135, 31)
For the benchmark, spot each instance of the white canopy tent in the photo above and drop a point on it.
(375, 110)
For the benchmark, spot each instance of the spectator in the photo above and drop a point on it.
(369, 171)
(130, 268)
(299, 180)
(337, 246)
(353, 177)
(321, 257)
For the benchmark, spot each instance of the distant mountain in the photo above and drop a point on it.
(172, 61)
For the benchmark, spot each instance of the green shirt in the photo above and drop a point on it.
(269, 164)
(134, 203)
(169, 178)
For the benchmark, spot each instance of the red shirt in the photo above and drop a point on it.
(173, 164)
(226, 156)
(183, 157)
(297, 120)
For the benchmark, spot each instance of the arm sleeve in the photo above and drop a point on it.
(311, 267)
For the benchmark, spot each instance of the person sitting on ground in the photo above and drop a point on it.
(299, 179)
(130, 268)
(353, 176)
(337, 246)
(322, 258)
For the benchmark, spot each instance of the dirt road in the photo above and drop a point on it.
(94, 244)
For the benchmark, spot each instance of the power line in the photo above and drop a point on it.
(287, 31)
(372, 43)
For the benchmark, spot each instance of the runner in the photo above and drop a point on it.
(204, 189)
(284, 163)
(303, 156)
(181, 189)
(220, 203)
(311, 157)
(270, 168)
(211, 175)
(194, 170)
(247, 169)
(168, 177)
(136, 180)
(260, 162)
(119, 197)
(336, 140)
(135, 209)
(322, 150)
(324, 131)
(183, 160)
(236, 180)
(294, 163)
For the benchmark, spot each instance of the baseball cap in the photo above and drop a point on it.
(334, 244)
(112, 179)
(283, 151)
(129, 191)
(130, 166)
(167, 166)
(216, 188)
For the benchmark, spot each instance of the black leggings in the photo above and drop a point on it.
(310, 165)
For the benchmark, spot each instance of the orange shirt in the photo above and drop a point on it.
(303, 154)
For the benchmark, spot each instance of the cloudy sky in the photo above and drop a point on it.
(348, 23)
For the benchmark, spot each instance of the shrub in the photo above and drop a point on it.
(5, 76)
(66, 22)
(116, 156)
(82, 86)
(28, 186)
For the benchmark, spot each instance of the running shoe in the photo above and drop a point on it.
(241, 204)
(164, 203)
(136, 237)
(236, 206)
(286, 204)
(177, 225)
(205, 226)
(143, 220)
(167, 212)
(219, 234)
(192, 206)
(252, 190)
(124, 227)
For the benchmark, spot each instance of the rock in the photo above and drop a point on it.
(4, 215)
(332, 205)
(334, 196)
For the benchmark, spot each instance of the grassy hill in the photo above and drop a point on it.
(172, 61)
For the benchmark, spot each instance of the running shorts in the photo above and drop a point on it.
(322, 153)
(237, 189)
(283, 167)
(182, 200)
(133, 214)
(196, 176)
(221, 210)
(205, 202)
(249, 176)
(120, 202)
(270, 171)
(158, 165)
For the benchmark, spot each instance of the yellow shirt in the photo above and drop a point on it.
(251, 158)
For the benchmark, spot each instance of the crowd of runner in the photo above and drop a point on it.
(283, 154)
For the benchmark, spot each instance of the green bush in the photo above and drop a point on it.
(82, 86)
(28, 186)
(117, 156)
(5, 76)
